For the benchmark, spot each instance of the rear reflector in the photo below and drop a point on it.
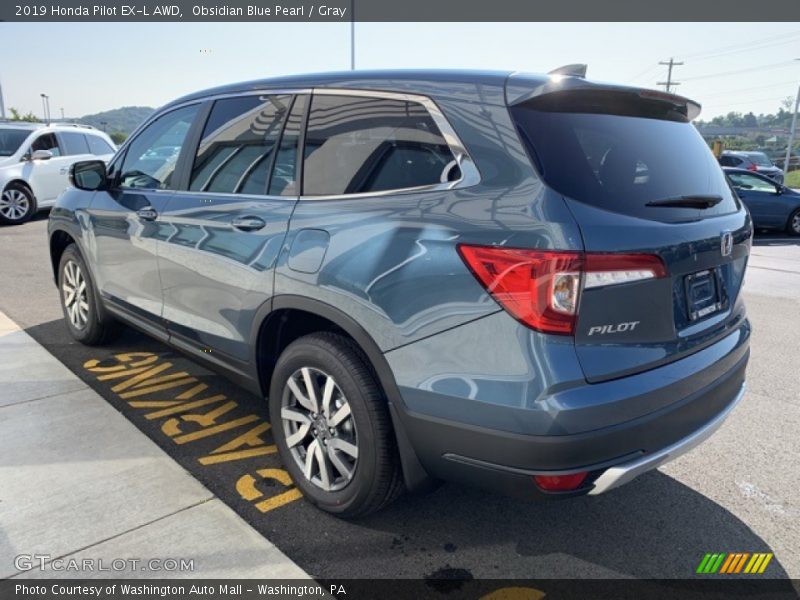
(541, 288)
(560, 483)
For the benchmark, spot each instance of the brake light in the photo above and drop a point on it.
(560, 483)
(541, 288)
(752, 167)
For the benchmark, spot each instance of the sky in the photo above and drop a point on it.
(91, 67)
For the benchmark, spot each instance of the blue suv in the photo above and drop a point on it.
(528, 283)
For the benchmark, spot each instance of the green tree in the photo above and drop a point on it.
(118, 137)
(17, 116)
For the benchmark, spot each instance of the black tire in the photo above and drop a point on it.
(15, 198)
(793, 224)
(376, 478)
(89, 329)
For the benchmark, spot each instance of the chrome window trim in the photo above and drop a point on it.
(469, 172)
(470, 175)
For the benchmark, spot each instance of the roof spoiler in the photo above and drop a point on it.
(576, 70)
(548, 89)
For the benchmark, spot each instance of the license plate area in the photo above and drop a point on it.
(702, 294)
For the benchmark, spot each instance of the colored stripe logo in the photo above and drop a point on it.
(734, 562)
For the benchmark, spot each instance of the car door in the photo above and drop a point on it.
(125, 226)
(227, 223)
(47, 177)
(762, 198)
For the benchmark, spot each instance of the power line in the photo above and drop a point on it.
(773, 38)
(669, 83)
(748, 89)
(780, 65)
(747, 49)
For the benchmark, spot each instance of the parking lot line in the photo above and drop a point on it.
(80, 481)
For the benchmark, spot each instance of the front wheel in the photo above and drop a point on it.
(79, 301)
(793, 226)
(332, 427)
(17, 204)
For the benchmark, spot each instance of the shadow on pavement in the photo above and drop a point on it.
(655, 527)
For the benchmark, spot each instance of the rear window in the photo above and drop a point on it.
(620, 163)
(760, 159)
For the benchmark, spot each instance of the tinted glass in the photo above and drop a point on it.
(74, 143)
(47, 141)
(284, 173)
(11, 140)
(356, 145)
(745, 182)
(620, 163)
(98, 146)
(728, 161)
(150, 158)
(760, 159)
(238, 145)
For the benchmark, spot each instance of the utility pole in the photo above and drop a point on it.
(62, 113)
(46, 107)
(791, 134)
(2, 105)
(669, 83)
(352, 35)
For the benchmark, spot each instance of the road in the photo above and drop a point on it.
(736, 493)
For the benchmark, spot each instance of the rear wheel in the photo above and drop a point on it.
(332, 427)
(793, 226)
(79, 301)
(17, 204)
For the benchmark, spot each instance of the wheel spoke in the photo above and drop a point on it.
(338, 463)
(299, 395)
(344, 446)
(340, 415)
(299, 435)
(311, 453)
(327, 394)
(311, 388)
(324, 472)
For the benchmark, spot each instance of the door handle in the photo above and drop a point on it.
(64, 170)
(248, 223)
(148, 213)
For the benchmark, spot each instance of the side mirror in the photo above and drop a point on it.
(779, 189)
(41, 155)
(88, 175)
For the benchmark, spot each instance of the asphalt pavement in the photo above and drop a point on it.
(735, 493)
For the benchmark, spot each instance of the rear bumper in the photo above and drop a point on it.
(506, 461)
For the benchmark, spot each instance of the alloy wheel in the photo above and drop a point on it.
(75, 296)
(796, 223)
(14, 204)
(319, 428)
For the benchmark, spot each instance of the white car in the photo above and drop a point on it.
(35, 161)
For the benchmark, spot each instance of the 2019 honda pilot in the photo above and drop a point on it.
(529, 283)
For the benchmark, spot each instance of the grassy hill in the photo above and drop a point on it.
(119, 120)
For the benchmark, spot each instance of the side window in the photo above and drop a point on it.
(238, 144)
(752, 183)
(150, 158)
(284, 174)
(98, 146)
(74, 143)
(46, 141)
(356, 145)
(726, 161)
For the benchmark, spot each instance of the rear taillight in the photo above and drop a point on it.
(541, 288)
(752, 167)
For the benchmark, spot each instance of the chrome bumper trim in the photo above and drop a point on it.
(621, 474)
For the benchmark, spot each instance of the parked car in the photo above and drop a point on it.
(35, 161)
(524, 282)
(772, 205)
(758, 162)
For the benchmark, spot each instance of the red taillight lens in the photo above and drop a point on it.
(560, 483)
(752, 167)
(539, 288)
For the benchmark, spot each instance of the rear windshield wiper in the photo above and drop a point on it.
(687, 201)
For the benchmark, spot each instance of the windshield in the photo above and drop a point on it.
(623, 163)
(11, 140)
(760, 159)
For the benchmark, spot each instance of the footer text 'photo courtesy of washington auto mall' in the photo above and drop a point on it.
(393, 299)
